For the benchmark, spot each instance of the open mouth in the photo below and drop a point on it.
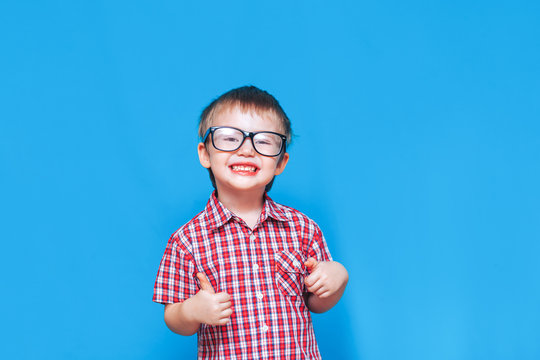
(244, 169)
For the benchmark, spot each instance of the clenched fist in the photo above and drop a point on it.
(211, 308)
(326, 278)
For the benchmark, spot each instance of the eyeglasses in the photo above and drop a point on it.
(266, 143)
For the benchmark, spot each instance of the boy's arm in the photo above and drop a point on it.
(204, 307)
(326, 284)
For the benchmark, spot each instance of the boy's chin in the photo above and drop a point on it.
(242, 188)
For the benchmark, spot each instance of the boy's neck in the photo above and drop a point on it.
(246, 205)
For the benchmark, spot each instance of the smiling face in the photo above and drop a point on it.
(244, 170)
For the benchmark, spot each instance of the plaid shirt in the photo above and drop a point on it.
(261, 268)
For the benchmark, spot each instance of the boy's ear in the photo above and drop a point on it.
(204, 157)
(282, 163)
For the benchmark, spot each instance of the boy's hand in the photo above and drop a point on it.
(326, 278)
(211, 308)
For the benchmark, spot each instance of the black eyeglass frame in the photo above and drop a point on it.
(246, 134)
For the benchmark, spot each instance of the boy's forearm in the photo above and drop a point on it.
(179, 318)
(319, 305)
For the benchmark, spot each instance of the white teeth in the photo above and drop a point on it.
(243, 168)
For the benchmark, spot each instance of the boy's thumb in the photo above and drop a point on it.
(205, 284)
(311, 263)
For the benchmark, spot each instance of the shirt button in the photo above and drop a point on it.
(259, 295)
(255, 267)
(264, 328)
(252, 237)
(296, 263)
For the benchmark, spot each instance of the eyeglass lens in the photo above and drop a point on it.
(227, 139)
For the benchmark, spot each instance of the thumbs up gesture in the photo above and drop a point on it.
(211, 308)
(326, 278)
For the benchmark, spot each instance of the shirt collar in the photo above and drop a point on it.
(218, 215)
(273, 210)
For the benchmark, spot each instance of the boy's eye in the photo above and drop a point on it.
(230, 139)
(263, 141)
(266, 139)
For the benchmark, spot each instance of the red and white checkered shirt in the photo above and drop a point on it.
(263, 271)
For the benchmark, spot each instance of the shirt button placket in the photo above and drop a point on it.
(252, 238)
(255, 267)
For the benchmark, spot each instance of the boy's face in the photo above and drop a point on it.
(243, 170)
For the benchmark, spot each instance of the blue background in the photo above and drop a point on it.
(416, 151)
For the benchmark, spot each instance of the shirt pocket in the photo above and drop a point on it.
(289, 272)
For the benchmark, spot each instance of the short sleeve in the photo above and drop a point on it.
(318, 249)
(175, 281)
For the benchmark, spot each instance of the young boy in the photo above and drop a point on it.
(246, 272)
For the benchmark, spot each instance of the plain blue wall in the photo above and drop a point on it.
(417, 152)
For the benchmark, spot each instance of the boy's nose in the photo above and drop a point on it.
(246, 148)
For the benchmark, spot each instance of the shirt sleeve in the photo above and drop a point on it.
(175, 281)
(318, 249)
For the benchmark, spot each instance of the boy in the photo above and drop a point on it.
(246, 271)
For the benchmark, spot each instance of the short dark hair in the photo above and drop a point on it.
(247, 98)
